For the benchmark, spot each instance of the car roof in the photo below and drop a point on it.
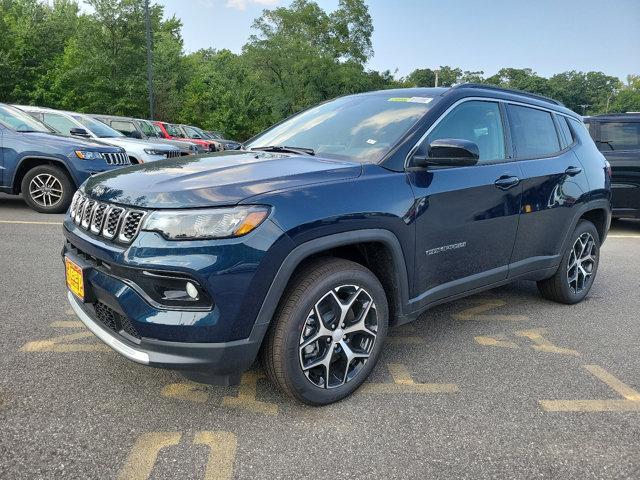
(629, 116)
(479, 89)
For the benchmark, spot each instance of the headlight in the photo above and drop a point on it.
(153, 151)
(201, 224)
(89, 155)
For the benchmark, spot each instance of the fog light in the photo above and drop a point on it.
(192, 291)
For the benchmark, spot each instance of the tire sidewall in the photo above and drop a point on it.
(581, 228)
(67, 189)
(294, 376)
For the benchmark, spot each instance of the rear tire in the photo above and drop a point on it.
(577, 271)
(47, 189)
(341, 305)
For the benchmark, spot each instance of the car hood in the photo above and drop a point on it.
(127, 142)
(55, 140)
(214, 179)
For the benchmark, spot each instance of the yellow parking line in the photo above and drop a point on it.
(246, 398)
(222, 456)
(590, 406)
(497, 341)
(190, 391)
(631, 403)
(615, 384)
(67, 324)
(403, 383)
(144, 454)
(623, 236)
(23, 222)
(408, 340)
(544, 345)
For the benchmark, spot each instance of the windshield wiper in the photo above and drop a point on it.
(284, 148)
(607, 142)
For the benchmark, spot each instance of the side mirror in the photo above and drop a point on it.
(449, 152)
(135, 134)
(79, 132)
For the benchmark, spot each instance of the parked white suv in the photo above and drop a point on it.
(81, 125)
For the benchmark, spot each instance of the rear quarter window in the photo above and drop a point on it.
(533, 131)
(566, 137)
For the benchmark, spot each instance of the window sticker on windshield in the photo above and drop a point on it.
(371, 141)
(411, 99)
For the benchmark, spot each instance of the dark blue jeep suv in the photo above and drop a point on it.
(45, 167)
(349, 217)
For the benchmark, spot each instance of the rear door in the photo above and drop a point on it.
(553, 182)
(466, 217)
(619, 142)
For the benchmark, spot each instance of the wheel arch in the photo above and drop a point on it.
(376, 249)
(29, 162)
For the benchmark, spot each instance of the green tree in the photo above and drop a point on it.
(627, 98)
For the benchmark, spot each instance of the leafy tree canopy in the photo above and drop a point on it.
(53, 54)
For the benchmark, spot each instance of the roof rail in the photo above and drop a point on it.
(510, 90)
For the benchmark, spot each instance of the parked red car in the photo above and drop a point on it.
(176, 132)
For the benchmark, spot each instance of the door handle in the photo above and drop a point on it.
(505, 182)
(572, 171)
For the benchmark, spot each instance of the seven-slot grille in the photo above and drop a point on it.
(120, 158)
(104, 219)
(173, 153)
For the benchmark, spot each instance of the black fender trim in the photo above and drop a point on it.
(303, 251)
(45, 158)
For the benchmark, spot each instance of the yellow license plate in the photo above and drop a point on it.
(75, 280)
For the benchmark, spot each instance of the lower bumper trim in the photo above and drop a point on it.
(109, 339)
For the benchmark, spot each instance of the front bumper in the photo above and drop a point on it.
(225, 359)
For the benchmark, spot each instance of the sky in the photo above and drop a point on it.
(549, 36)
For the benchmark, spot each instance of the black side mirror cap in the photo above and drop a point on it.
(79, 132)
(450, 152)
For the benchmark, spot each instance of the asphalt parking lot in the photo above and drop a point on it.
(499, 385)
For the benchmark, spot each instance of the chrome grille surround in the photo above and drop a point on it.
(112, 222)
(120, 158)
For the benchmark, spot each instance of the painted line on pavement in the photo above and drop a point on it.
(24, 222)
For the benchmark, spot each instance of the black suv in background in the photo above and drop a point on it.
(618, 138)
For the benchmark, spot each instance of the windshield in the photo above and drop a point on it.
(173, 130)
(148, 129)
(362, 127)
(214, 135)
(21, 121)
(99, 129)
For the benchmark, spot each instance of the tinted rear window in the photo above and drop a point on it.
(619, 136)
(566, 137)
(534, 134)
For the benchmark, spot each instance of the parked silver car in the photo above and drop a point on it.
(82, 125)
(144, 130)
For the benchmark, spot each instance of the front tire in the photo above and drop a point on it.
(578, 267)
(328, 331)
(47, 189)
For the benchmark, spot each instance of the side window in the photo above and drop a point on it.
(566, 137)
(477, 121)
(619, 136)
(123, 127)
(533, 132)
(59, 123)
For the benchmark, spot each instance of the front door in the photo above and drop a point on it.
(466, 217)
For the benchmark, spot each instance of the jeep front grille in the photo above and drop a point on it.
(106, 220)
(174, 153)
(120, 158)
